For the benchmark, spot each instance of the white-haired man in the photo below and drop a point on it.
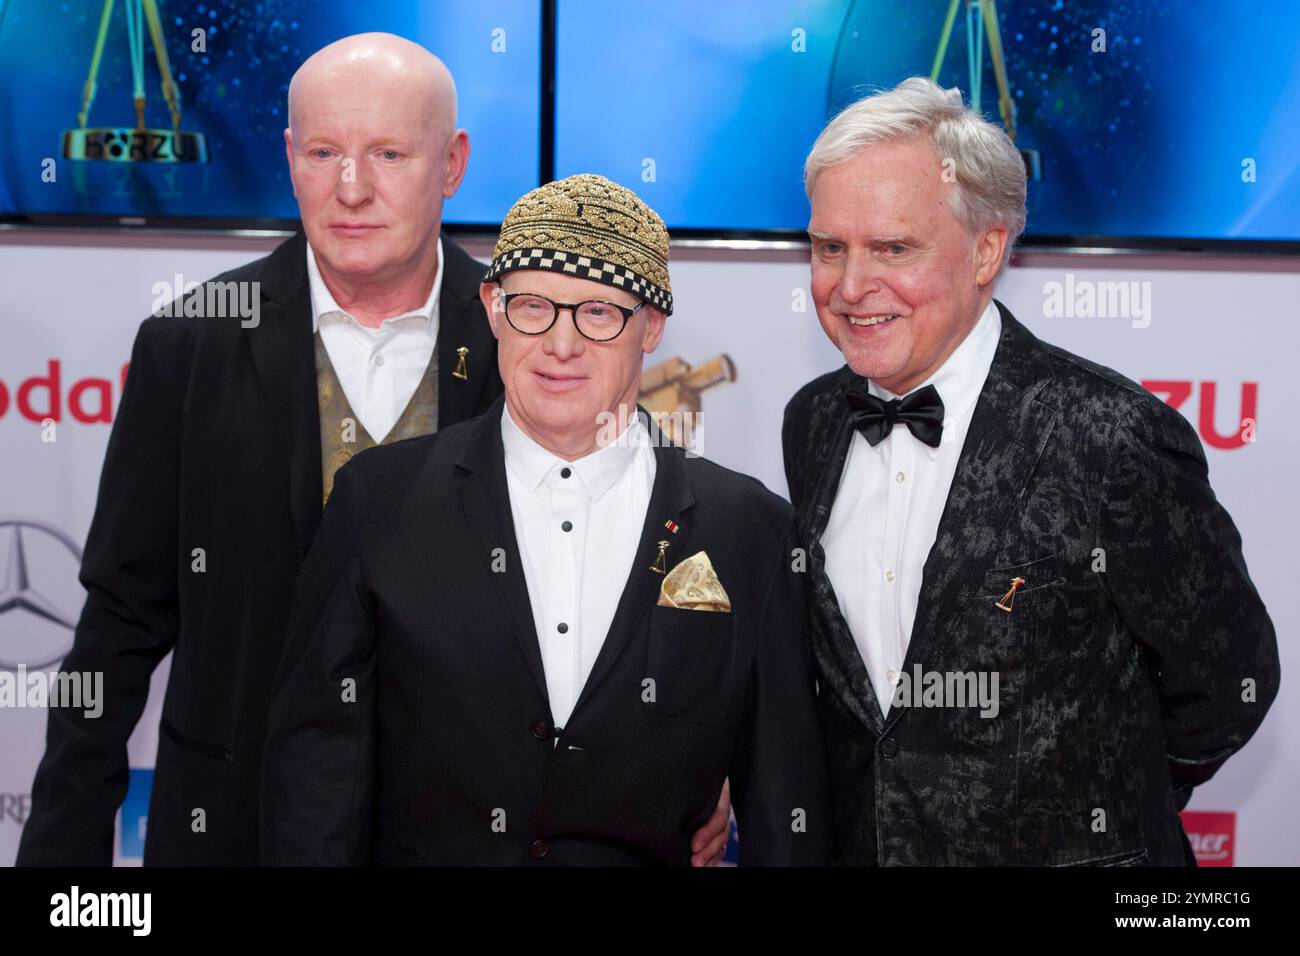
(1032, 621)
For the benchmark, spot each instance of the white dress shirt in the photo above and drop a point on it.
(576, 576)
(887, 509)
(379, 368)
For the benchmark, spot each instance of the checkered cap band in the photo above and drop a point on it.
(583, 267)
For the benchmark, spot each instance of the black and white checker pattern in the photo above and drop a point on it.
(584, 267)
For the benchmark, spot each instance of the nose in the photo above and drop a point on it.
(861, 276)
(563, 341)
(354, 187)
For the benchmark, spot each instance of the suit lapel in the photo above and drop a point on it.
(284, 359)
(462, 324)
(671, 499)
(1008, 432)
(485, 499)
(830, 437)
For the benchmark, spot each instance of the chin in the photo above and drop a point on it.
(871, 363)
(554, 411)
(355, 256)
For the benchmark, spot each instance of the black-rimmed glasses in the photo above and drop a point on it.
(599, 321)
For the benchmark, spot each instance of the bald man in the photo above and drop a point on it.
(369, 330)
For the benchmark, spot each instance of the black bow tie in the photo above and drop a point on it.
(921, 411)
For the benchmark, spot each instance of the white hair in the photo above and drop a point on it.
(989, 186)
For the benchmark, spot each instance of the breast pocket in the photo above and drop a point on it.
(1036, 610)
(689, 663)
(1033, 576)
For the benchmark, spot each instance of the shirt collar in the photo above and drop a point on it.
(597, 472)
(323, 304)
(960, 379)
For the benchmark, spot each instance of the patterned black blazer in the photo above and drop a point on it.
(1119, 689)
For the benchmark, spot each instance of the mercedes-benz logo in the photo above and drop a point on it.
(32, 551)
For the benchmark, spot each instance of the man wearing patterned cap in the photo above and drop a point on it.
(545, 636)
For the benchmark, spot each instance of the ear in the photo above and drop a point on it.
(988, 254)
(288, 155)
(457, 161)
(489, 293)
(654, 329)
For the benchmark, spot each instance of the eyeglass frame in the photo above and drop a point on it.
(572, 308)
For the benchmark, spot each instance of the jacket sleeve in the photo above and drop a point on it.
(1175, 571)
(317, 788)
(778, 775)
(129, 622)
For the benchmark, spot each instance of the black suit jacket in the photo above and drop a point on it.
(448, 753)
(1119, 689)
(216, 446)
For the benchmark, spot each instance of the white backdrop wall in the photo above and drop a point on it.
(71, 304)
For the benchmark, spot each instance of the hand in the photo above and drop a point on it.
(710, 841)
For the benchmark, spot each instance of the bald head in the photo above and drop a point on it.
(382, 65)
(373, 152)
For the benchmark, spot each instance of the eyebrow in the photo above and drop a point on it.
(385, 142)
(873, 240)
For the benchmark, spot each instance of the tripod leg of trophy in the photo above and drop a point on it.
(1006, 106)
(171, 93)
(974, 53)
(92, 77)
(944, 37)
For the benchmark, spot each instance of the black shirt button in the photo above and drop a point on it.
(538, 849)
(567, 526)
(565, 472)
(889, 747)
(540, 730)
(562, 628)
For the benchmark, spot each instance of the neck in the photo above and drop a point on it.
(372, 299)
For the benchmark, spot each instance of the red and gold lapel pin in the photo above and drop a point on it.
(1004, 603)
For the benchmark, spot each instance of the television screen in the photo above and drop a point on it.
(1147, 120)
(231, 63)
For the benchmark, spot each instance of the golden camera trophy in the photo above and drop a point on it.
(122, 144)
(670, 392)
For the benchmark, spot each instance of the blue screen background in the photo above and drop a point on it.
(235, 94)
(1144, 140)
(703, 108)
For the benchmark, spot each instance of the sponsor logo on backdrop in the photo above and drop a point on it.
(1213, 835)
(15, 808)
(42, 396)
(133, 819)
(39, 593)
(1176, 393)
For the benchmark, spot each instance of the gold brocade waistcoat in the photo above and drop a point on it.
(342, 435)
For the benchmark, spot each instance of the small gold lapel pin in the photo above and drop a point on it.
(660, 567)
(462, 371)
(1005, 603)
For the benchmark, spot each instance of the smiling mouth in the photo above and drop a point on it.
(867, 320)
(560, 380)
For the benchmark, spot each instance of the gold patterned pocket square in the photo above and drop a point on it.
(694, 586)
